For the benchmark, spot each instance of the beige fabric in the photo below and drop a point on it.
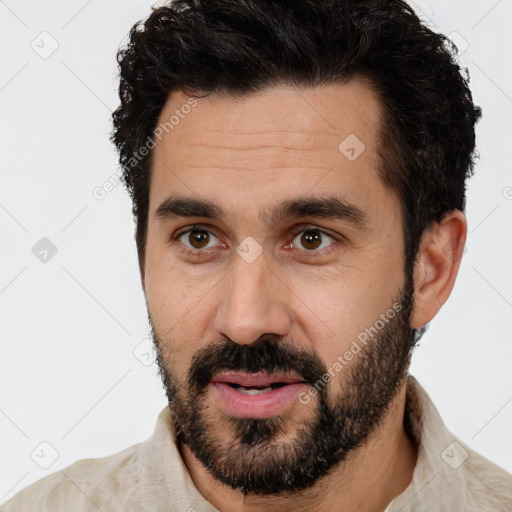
(449, 476)
(151, 476)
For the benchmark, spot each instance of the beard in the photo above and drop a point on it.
(289, 453)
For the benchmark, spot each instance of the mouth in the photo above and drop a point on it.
(256, 395)
(255, 390)
(259, 381)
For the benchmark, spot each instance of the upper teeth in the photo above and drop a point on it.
(246, 391)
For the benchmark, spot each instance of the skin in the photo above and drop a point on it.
(246, 154)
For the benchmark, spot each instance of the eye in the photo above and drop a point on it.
(313, 239)
(196, 238)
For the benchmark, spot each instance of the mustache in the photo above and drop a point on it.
(268, 354)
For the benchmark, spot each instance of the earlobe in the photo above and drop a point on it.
(437, 266)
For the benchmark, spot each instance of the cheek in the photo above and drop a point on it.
(166, 292)
(180, 313)
(175, 299)
(335, 311)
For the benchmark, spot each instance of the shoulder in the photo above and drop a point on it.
(84, 486)
(449, 475)
(489, 486)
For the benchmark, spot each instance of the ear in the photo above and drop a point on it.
(437, 266)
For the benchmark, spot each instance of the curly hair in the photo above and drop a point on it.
(427, 138)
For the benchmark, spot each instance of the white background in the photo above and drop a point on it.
(69, 326)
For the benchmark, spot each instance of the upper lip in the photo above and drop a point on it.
(256, 379)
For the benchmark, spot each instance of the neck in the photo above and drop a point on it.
(363, 482)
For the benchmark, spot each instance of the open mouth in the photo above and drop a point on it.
(256, 395)
(256, 383)
(256, 390)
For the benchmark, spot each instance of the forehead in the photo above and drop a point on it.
(279, 143)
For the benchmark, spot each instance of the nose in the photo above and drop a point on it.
(254, 300)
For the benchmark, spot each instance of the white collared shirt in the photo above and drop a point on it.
(152, 477)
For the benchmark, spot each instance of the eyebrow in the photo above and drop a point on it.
(331, 208)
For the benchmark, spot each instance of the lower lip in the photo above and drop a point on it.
(264, 405)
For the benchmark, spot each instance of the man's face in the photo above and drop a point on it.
(249, 308)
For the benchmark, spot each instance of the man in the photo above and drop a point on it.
(297, 171)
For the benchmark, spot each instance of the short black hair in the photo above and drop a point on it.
(427, 138)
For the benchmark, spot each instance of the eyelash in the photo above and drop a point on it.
(299, 229)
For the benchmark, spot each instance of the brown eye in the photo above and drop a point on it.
(312, 239)
(196, 238)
